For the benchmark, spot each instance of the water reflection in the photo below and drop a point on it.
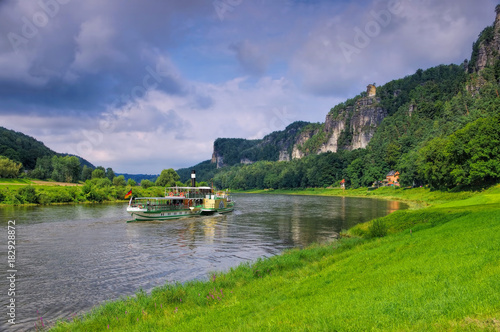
(71, 258)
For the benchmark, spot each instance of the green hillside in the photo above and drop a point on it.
(26, 150)
(22, 148)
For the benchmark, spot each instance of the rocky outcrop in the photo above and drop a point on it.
(350, 128)
(217, 159)
(284, 156)
(371, 90)
(297, 152)
(335, 125)
(364, 122)
(486, 53)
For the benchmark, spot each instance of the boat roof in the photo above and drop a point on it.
(161, 198)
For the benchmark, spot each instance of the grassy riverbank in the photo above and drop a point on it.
(443, 275)
(416, 198)
(16, 192)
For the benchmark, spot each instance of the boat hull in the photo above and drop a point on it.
(165, 215)
(213, 211)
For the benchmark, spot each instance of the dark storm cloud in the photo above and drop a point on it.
(88, 54)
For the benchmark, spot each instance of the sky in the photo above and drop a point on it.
(141, 86)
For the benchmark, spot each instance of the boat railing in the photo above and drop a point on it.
(173, 207)
(186, 195)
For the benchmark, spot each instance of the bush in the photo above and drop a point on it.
(94, 196)
(9, 168)
(119, 181)
(146, 184)
(378, 228)
(103, 183)
(29, 195)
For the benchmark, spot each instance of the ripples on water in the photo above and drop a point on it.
(71, 258)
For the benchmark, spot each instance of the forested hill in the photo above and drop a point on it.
(26, 150)
(273, 147)
(439, 126)
(276, 146)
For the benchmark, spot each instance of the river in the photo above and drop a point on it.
(70, 258)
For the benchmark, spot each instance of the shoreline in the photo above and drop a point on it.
(384, 193)
(61, 203)
(369, 275)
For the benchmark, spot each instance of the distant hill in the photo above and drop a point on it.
(139, 177)
(26, 150)
(204, 171)
(276, 146)
(83, 162)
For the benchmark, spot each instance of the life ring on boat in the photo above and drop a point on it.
(140, 206)
(171, 194)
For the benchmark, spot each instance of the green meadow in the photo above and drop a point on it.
(434, 268)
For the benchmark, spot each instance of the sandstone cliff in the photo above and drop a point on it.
(486, 49)
(364, 122)
(348, 128)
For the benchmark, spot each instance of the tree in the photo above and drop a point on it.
(98, 173)
(433, 164)
(131, 182)
(86, 173)
(65, 169)
(354, 172)
(167, 178)
(43, 169)
(145, 184)
(110, 174)
(103, 183)
(119, 181)
(72, 172)
(9, 168)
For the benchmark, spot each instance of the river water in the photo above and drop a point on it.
(70, 258)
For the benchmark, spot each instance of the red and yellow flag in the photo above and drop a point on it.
(128, 194)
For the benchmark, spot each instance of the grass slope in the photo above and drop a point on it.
(417, 197)
(441, 276)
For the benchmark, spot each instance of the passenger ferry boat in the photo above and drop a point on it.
(180, 202)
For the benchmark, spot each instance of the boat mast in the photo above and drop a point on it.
(193, 178)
